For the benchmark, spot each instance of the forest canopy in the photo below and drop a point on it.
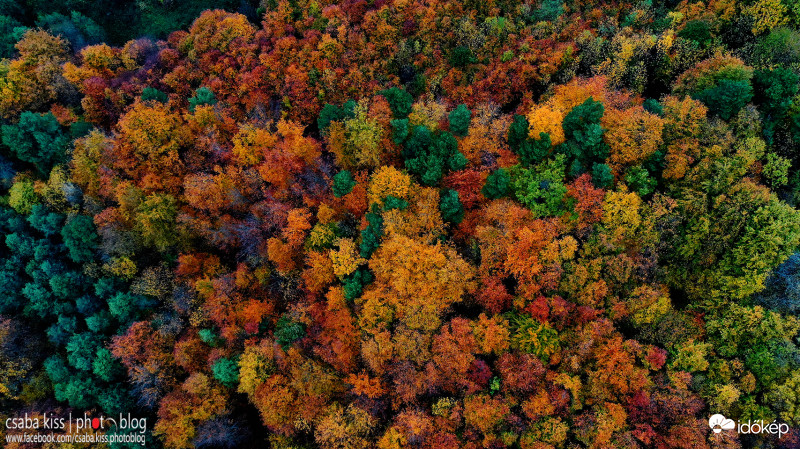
(403, 224)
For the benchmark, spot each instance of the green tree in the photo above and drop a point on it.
(37, 139)
(202, 96)
(431, 155)
(497, 184)
(399, 100)
(541, 189)
(80, 238)
(22, 196)
(153, 94)
(155, 220)
(459, 120)
(11, 31)
(44, 221)
(584, 135)
(288, 331)
(727, 98)
(76, 28)
(81, 350)
(602, 176)
(450, 206)
(105, 366)
(549, 10)
(343, 183)
(226, 371)
(331, 113)
(640, 181)
(371, 236)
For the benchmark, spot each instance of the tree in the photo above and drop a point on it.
(155, 220)
(37, 139)
(451, 208)
(81, 350)
(22, 196)
(541, 189)
(331, 113)
(431, 154)
(226, 370)
(341, 428)
(459, 120)
(153, 94)
(497, 184)
(549, 10)
(202, 97)
(80, 238)
(726, 98)
(12, 31)
(782, 292)
(76, 28)
(399, 100)
(418, 280)
(288, 331)
(584, 135)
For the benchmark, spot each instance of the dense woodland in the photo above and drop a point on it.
(403, 223)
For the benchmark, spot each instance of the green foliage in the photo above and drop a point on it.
(497, 184)
(80, 238)
(343, 183)
(399, 130)
(780, 47)
(691, 357)
(653, 106)
(226, 371)
(461, 57)
(288, 331)
(517, 132)
(541, 189)
(450, 206)
(123, 306)
(696, 30)
(355, 283)
(584, 144)
(726, 98)
(392, 202)
(602, 176)
(371, 236)
(549, 11)
(459, 120)
(105, 366)
(534, 337)
(59, 332)
(202, 97)
(640, 181)
(399, 100)
(431, 155)
(22, 196)
(11, 31)
(155, 220)
(776, 170)
(37, 139)
(534, 151)
(331, 113)
(774, 91)
(76, 28)
(209, 337)
(153, 94)
(81, 350)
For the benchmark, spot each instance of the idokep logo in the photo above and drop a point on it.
(718, 423)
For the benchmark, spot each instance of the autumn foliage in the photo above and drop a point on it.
(399, 224)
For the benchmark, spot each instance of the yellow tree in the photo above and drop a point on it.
(419, 281)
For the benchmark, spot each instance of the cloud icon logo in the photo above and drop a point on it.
(718, 423)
